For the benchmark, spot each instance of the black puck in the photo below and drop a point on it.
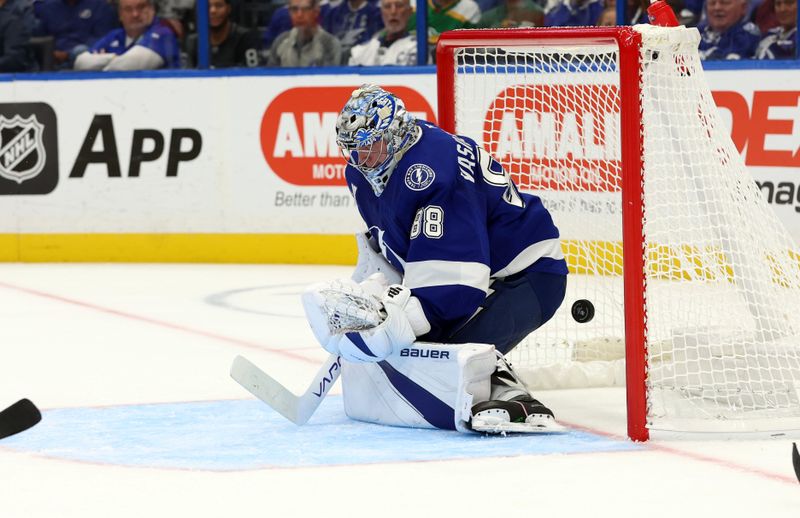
(582, 311)
(796, 461)
(18, 417)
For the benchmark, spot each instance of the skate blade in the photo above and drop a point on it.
(493, 425)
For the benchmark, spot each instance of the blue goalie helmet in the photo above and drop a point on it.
(373, 131)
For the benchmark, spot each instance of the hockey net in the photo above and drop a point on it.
(694, 283)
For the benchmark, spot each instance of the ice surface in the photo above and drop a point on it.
(129, 364)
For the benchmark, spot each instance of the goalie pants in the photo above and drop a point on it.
(517, 305)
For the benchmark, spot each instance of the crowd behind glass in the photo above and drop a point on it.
(151, 34)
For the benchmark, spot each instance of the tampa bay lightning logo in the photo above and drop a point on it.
(419, 177)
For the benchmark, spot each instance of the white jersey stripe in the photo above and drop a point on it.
(548, 248)
(425, 274)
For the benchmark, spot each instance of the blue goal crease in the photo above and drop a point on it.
(248, 435)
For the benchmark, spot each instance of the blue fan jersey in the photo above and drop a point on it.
(157, 38)
(738, 42)
(778, 44)
(352, 27)
(565, 14)
(451, 219)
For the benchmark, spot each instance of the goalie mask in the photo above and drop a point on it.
(373, 131)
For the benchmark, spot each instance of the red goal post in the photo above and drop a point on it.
(620, 117)
(628, 43)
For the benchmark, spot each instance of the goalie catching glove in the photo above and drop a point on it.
(354, 321)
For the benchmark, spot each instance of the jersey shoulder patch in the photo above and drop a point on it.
(419, 177)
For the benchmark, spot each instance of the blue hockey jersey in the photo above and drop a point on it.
(450, 220)
(565, 14)
(72, 24)
(157, 38)
(778, 44)
(352, 27)
(738, 42)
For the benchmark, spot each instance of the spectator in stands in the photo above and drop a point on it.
(691, 13)
(231, 45)
(15, 56)
(780, 42)
(446, 15)
(141, 44)
(176, 14)
(279, 22)
(307, 44)
(763, 16)
(513, 13)
(25, 9)
(571, 13)
(352, 22)
(75, 25)
(395, 44)
(726, 33)
(637, 13)
(608, 17)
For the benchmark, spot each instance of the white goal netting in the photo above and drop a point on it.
(721, 275)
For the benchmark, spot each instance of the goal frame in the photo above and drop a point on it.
(628, 43)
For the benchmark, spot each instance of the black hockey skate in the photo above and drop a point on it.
(522, 414)
(510, 407)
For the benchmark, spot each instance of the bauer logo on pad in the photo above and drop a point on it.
(418, 352)
(28, 148)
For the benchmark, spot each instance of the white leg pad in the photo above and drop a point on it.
(427, 385)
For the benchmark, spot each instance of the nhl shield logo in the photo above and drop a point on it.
(22, 152)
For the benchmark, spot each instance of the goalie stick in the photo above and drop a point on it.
(297, 409)
(18, 417)
(344, 307)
